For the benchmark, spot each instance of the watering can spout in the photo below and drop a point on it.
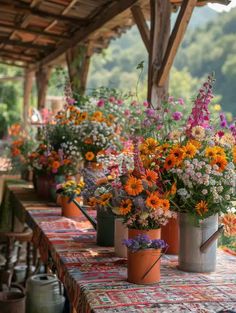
(206, 245)
(85, 213)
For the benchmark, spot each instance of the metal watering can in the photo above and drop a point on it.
(198, 244)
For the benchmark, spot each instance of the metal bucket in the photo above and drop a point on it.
(192, 238)
(12, 301)
(105, 228)
(121, 233)
(44, 294)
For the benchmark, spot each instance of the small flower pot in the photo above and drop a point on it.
(143, 267)
(69, 209)
(151, 233)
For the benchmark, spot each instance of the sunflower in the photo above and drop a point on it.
(170, 162)
(125, 207)
(149, 146)
(220, 151)
(89, 156)
(133, 186)
(198, 132)
(163, 148)
(189, 150)
(178, 153)
(164, 204)
(201, 207)
(220, 161)
(153, 201)
(210, 152)
(150, 177)
(196, 143)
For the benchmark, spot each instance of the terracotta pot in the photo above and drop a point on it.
(151, 233)
(170, 233)
(69, 209)
(142, 261)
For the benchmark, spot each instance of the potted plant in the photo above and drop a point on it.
(68, 191)
(144, 255)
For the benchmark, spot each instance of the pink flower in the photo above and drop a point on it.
(112, 99)
(171, 99)
(134, 103)
(100, 103)
(181, 101)
(145, 103)
(120, 102)
(177, 116)
(150, 112)
(159, 127)
(127, 112)
(220, 133)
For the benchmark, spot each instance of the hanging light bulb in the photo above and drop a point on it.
(36, 117)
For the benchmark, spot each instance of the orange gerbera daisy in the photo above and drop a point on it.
(153, 201)
(165, 204)
(150, 177)
(170, 162)
(229, 221)
(201, 207)
(210, 152)
(220, 161)
(55, 164)
(149, 146)
(83, 116)
(133, 186)
(189, 150)
(89, 156)
(234, 154)
(125, 207)
(178, 153)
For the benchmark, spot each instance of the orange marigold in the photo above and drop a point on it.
(133, 186)
(229, 221)
(89, 156)
(55, 164)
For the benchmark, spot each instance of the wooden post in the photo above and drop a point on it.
(42, 77)
(159, 36)
(78, 61)
(28, 82)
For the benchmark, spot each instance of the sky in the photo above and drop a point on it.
(223, 8)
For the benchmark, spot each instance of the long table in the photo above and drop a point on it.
(95, 279)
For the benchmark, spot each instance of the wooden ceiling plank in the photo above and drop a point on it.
(142, 25)
(175, 39)
(34, 32)
(20, 43)
(95, 24)
(12, 64)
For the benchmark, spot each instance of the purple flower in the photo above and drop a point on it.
(142, 242)
(223, 124)
(71, 101)
(177, 116)
(150, 112)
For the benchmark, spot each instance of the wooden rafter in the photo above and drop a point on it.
(22, 7)
(25, 44)
(12, 63)
(142, 25)
(98, 21)
(16, 58)
(19, 53)
(175, 39)
(34, 32)
(42, 77)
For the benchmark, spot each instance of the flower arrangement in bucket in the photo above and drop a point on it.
(68, 191)
(144, 256)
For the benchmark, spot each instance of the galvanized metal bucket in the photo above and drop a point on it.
(192, 256)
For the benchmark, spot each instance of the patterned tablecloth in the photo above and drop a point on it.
(95, 278)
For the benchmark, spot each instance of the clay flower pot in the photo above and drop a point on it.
(143, 267)
(170, 233)
(151, 233)
(69, 209)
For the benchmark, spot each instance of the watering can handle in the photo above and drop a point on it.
(90, 218)
(210, 240)
(21, 288)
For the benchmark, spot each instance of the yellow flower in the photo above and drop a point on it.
(189, 150)
(210, 152)
(149, 146)
(196, 143)
(198, 132)
(133, 186)
(153, 201)
(178, 153)
(125, 207)
(78, 190)
(201, 207)
(97, 116)
(217, 107)
(83, 116)
(89, 156)
(104, 199)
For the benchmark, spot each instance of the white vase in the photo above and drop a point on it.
(121, 233)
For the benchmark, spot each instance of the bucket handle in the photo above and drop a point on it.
(206, 245)
(21, 288)
(49, 282)
(160, 256)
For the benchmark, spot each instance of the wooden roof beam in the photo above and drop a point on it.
(16, 57)
(98, 21)
(19, 54)
(11, 42)
(176, 37)
(34, 32)
(142, 25)
(12, 64)
(22, 7)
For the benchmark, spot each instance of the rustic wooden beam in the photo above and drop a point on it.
(10, 78)
(11, 42)
(102, 17)
(78, 61)
(17, 53)
(142, 25)
(159, 36)
(34, 32)
(42, 77)
(28, 83)
(22, 7)
(176, 37)
(16, 58)
(12, 64)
